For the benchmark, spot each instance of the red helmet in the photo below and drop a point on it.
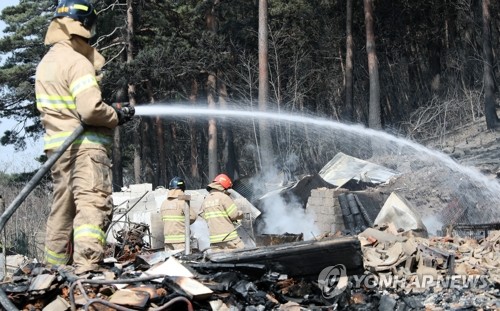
(223, 180)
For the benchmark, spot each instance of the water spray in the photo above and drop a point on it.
(473, 182)
(181, 110)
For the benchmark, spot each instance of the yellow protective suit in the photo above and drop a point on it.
(219, 211)
(172, 213)
(67, 95)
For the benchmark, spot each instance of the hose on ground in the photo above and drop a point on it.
(4, 300)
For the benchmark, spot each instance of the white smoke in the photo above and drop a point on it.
(280, 217)
(432, 224)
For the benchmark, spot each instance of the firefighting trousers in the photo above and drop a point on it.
(81, 208)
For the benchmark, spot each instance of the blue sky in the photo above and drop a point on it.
(10, 160)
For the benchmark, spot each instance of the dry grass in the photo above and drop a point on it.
(435, 120)
(25, 229)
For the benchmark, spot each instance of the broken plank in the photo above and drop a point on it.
(41, 282)
(301, 259)
(130, 298)
(193, 288)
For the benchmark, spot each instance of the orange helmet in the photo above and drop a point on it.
(223, 180)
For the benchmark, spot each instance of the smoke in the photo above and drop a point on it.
(432, 224)
(280, 217)
(477, 194)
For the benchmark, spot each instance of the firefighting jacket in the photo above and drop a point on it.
(219, 211)
(172, 213)
(67, 94)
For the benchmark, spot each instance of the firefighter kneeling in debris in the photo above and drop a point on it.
(172, 213)
(220, 211)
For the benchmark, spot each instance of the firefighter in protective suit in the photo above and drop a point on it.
(172, 213)
(68, 95)
(220, 211)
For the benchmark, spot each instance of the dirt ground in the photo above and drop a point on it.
(442, 195)
(474, 145)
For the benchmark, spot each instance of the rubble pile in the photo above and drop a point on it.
(438, 273)
(371, 251)
(129, 242)
(401, 272)
(160, 280)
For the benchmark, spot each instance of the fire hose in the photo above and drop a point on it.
(4, 300)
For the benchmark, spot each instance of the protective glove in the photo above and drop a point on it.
(124, 111)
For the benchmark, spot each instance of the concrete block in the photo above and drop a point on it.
(329, 201)
(315, 193)
(147, 210)
(329, 193)
(315, 201)
(325, 209)
(140, 189)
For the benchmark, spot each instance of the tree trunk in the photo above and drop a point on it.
(162, 155)
(131, 93)
(213, 167)
(171, 161)
(349, 61)
(117, 161)
(374, 117)
(159, 145)
(193, 130)
(147, 154)
(434, 50)
(137, 153)
(228, 153)
(451, 24)
(492, 121)
(467, 46)
(117, 168)
(266, 147)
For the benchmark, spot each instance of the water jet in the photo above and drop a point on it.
(445, 181)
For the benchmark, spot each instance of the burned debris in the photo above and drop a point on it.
(438, 273)
(303, 259)
(384, 270)
(369, 250)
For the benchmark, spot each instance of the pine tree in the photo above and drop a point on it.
(22, 47)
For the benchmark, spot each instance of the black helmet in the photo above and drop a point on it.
(80, 10)
(177, 183)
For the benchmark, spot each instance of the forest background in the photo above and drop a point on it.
(416, 69)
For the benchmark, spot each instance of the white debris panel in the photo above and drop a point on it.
(343, 168)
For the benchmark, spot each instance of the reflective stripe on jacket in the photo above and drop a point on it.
(87, 138)
(172, 212)
(67, 95)
(219, 211)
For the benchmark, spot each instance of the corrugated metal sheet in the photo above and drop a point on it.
(343, 168)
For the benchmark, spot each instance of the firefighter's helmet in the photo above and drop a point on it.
(79, 10)
(177, 183)
(223, 180)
